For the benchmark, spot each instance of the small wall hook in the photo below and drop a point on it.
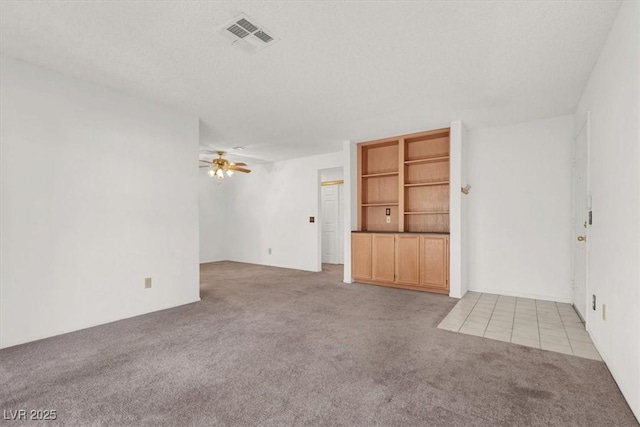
(466, 189)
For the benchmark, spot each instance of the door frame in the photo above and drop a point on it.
(317, 219)
(339, 185)
(585, 125)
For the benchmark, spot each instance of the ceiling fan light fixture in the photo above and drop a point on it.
(219, 166)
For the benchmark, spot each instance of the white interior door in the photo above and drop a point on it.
(332, 223)
(580, 221)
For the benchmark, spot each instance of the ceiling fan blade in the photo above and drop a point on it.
(239, 164)
(239, 169)
(204, 166)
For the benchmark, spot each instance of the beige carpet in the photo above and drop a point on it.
(270, 346)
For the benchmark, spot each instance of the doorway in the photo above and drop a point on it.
(331, 216)
(581, 219)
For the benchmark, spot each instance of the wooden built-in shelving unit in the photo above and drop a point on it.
(403, 212)
(409, 175)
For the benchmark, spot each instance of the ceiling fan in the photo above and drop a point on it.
(221, 166)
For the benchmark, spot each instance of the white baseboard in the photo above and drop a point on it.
(524, 295)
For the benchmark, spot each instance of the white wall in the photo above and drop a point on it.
(519, 209)
(464, 211)
(270, 208)
(213, 212)
(613, 240)
(455, 211)
(332, 174)
(99, 191)
(350, 161)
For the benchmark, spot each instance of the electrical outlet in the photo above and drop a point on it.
(604, 312)
(388, 220)
(147, 282)
(269, 250)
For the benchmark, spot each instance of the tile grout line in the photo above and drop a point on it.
(590, 340)
(564, 329)
(493, 309)
(538, 324)
(490, 317)
(513, 320)
(469, 314)
(449, 314)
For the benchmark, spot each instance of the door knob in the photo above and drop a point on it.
(582, 238)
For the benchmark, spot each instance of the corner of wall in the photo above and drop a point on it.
(455, 211)
(611, 101)
(349, 156)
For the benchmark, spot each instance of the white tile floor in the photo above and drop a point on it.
(541, 324)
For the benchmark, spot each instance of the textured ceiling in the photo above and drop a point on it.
(341, 70)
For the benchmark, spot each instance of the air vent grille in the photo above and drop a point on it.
(238, 31)
(247, 25)
(263, 36)
(247, 34)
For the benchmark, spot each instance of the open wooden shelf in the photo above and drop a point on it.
(427, 184)
(426, 213)
(379, 204)
(433, 221)
(427, 160)
(377, 175)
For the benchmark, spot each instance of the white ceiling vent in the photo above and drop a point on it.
(247, 34)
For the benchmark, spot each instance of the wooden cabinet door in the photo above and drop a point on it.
(408, 260)
(361, 256)
(383, 260)
(434, 262)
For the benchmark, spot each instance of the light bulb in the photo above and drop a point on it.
(211, 173)
(219, 174)
(229, 172)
